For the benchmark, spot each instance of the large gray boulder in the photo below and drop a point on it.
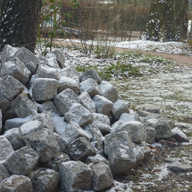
(44, 71)
(87, 102)
(102, 177)
(119, 137)
(15, 138)
(90, 74)
(23, 105)
(44, 180)
(108, 91)
(121, 157)
(44, 142)
(52, 61)
(11, 87)
(61, 142)
(44, 89)
(150, 132)
(72, 132)
(65, 100)
(22, 161)
(129, 117)
(17, 69)
(80, 148)
(75, 176)
(6, 149)
(28, 58)
(119, 107)
(16, 183)
(151, 108)
(90, 86)
(66, 82)
(135, 129)
(103, 105)
(102, 122)
(79, 114)
(60, 57)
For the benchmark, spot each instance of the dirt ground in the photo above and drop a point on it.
(181, 59)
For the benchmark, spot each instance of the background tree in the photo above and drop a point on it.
(19, 23)
(167, 20)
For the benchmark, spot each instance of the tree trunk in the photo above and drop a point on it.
(19, 23)
(167, 20)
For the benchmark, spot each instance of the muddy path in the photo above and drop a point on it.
(181, 59)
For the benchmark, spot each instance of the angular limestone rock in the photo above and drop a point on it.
(150, 135)
(11, 87)
(90, 74)
(119, 107)
(4, 173)
(102, 176)
(6, 149)
(15, 138)
(135, 129)
(151, 108)
(98, 146)
(97, 159)
(44, 89)
(87, 102)
(60, 57)
(120, 137)
(179, 168)
(129, 117)
(66, 82)
(71, 73)
(90, 86)
(179, 135)
(28, 58)
(121, 157)
(102, 122)
(16, 69)
(80, 148)
(44, 180)
(103, 105)
(22, 161)
(75, 176)
(44, 71)
(52, 61)
(23, 105)
(79, 114)
(108, 91)
(4, 103)
(44, 142)
(65, 100)
(17, 183)
(72, 132)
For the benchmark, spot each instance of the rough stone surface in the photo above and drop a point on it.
(16, 69)
(151, 108)
(121, 157)
(65, 100)
(75, 176)
(4, 173)
(150, 132)
(98, 146)
(136, 129)
(11, 87)
(87, 102)
(129, 117)
(179, 168)
(15, 138)
(90, 74)
(44, 89)
(72, 132)
(16, 183)
(60, 57)
(90, 86)
(28, 58)
(25, 158)
(102, 177)
(71, 73)
(102, 122)
(44, 180)
(97, 159)
(103, 105)
(79, 114)
(108, 91)
(0, 121)
(44, 142)
(66, 82)
(80, 148)
(4, 103)
(6, 149)
(23, 105)
(119, 107)
(179, 135)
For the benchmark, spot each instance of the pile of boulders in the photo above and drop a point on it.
(62, 130)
